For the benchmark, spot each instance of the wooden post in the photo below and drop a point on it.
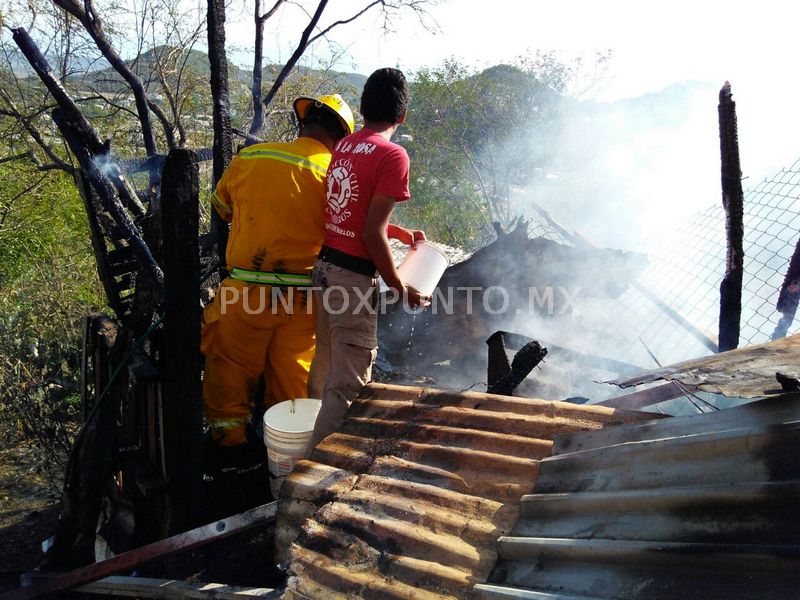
(223, 144)
(789, 296)
(183, 421)
(730, 290)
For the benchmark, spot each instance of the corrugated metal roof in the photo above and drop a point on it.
(688, 507)
(408, 499)
(746, 372)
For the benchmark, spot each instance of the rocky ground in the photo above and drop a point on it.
(29, 510)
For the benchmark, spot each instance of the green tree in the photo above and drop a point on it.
(475, 136)
(48, 282)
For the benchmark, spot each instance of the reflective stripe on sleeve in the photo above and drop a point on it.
(217, 201)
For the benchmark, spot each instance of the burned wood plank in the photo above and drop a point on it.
(183, 417)
(730, 289)
(91, 459)
(194, 538)
(107, 269)
(498, 363)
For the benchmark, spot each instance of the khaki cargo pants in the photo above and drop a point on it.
(345, 304)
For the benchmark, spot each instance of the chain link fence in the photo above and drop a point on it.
(686, 266)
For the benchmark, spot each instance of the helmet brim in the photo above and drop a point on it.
(303, 103)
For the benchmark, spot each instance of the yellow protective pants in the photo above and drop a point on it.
(246, 333)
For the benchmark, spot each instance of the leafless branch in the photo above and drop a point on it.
(167, 89)
(13, 157)
(88, 17)
(327, 30)
(258, 60)
(33, 132)
(166, 124)
(301, 47)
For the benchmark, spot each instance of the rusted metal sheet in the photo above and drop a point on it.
(219, 530)
(688, 507)
(408, 499)
(746, 372)
(771, 411)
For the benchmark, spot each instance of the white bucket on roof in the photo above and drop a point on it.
(288, 427)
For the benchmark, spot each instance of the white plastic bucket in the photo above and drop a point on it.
(423, 267)
(288, 427)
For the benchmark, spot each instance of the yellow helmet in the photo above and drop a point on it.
(334, 102)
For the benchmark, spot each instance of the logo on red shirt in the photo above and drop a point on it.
(342, 189)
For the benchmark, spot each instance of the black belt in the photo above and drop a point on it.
(362, 266)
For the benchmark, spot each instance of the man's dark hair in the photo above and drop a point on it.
(385, 96)
(325, 117)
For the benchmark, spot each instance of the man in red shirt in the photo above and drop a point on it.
(367, 175)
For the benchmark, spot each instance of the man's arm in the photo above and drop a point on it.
(409, 237)
(377, 242)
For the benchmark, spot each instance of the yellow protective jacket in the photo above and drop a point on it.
(273, 195)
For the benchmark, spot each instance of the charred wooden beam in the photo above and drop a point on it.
(156, 162)
(730, 289)
(498, 366)
(72, 114)
(108, 196)
(183, 419)
(107, 278)
(169, 589)
(91, 458)
(92, 154)
(504, 378)
(789, 295)
(220, 95)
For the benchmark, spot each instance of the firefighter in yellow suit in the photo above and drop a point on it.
(273, 196)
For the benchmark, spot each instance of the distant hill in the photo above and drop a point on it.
(108, 80)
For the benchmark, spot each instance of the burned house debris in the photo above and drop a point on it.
(539, 281)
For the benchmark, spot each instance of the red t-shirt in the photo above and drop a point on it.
(363, 165)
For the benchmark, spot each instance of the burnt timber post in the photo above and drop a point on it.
(789, 296)
(730, 290)
(183, 421)
(221, 116)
